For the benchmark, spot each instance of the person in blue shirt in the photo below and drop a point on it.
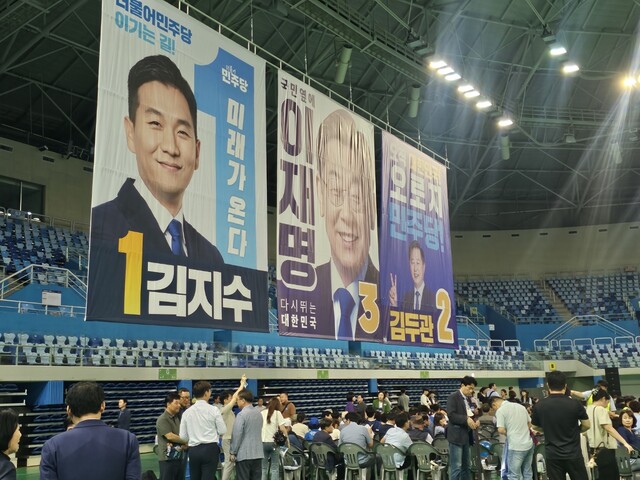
(314, 427)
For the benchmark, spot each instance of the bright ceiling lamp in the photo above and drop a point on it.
(436, 64)
(452, 77)
(482, 104)
(570, 67)
(465, 88)
(556, 50)
(472, 94)
(630, 81)
(505, 122)
(445, 71)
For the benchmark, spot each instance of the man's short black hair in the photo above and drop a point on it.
(600, 393)
(415, 245)
(84, 398)
(170, 397)
(491, 385)
(556, 380)
(124, 400)
(246, 395)
(200, 388)
(401, 420)
(494, 400)
(325, 423)
(353, 417)
(369, 411)
(603, 383)
(226, 394)
(8, 425)
(468, 380)
(159, 68)
(183, 390)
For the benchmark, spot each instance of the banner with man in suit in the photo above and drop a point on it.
(416, 275)
(179, 193)
(327, 218)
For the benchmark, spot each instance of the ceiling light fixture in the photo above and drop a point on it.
(556, 50)
(465, 88)
(570, 67)
(452, 77)
(436, 64)
(629, 81)
(482, 104)
(472, 94)
(445, 71)
(505, 122)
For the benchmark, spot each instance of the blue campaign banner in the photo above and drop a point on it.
(179, 183)
(327, 230)
(416, 275)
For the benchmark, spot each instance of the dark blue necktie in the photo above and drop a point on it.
(416, 305)
(175, 230)
(346, 302)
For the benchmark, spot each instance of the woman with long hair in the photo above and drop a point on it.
(9, 442)
(272, 421)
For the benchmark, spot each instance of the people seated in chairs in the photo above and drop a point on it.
(399, 438)
(361, 435)
(324, 436)
(299, 427)
(418, 431)
(627, 425)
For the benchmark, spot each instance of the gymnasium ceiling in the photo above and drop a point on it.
(49, 68)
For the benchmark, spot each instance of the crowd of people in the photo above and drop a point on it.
(253, 435)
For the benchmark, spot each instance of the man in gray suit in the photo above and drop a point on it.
(461, 423)
(246, 439)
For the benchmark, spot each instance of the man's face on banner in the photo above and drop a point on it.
(164, 142)
(417, 266)
(346, 207)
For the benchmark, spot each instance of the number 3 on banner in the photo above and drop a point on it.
(131, 246)
(443, 302)
(370, 318)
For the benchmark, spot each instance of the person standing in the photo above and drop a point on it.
(561, 419)
(201, 427)
(288, 409)
(185, 400)
(91, 448)
(124, 417)
(424, 398)
(403, 399)
(273, 420)
(168, 433)
(229, 399)
(602, 437)
(9, 442)
(513, 421)
(461, 424)
(246, 439)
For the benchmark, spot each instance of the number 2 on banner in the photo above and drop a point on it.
(443, 302)
(131, 246)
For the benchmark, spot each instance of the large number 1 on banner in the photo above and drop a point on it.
(131, 246)
(443, 302)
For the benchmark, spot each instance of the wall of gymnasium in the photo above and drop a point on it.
(66, 181)
(492, 253)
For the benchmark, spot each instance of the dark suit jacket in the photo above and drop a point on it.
(111, 221)
(91, 450)
(428, 299)
(124, 419)
(7, 470)
(458, 430)
(322, 296)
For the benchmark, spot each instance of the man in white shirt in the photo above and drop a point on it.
(424, 398)
(513, 421)
(399, 438)
(202, 425)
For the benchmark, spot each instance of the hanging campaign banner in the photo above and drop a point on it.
(327, 235)
(179, 190)
(416, 284)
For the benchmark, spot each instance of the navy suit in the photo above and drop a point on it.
(7, 470)
(427, 299)
(91, 450)
(111, 221)
(124, 419)
(322, 296)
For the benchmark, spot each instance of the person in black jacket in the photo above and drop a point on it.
(461, 423)
(124, 418)
(9, 441)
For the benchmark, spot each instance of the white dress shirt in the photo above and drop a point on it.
(202, 423)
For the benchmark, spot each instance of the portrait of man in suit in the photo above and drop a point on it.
(346, 193)
(419, 297)
(161, 132)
